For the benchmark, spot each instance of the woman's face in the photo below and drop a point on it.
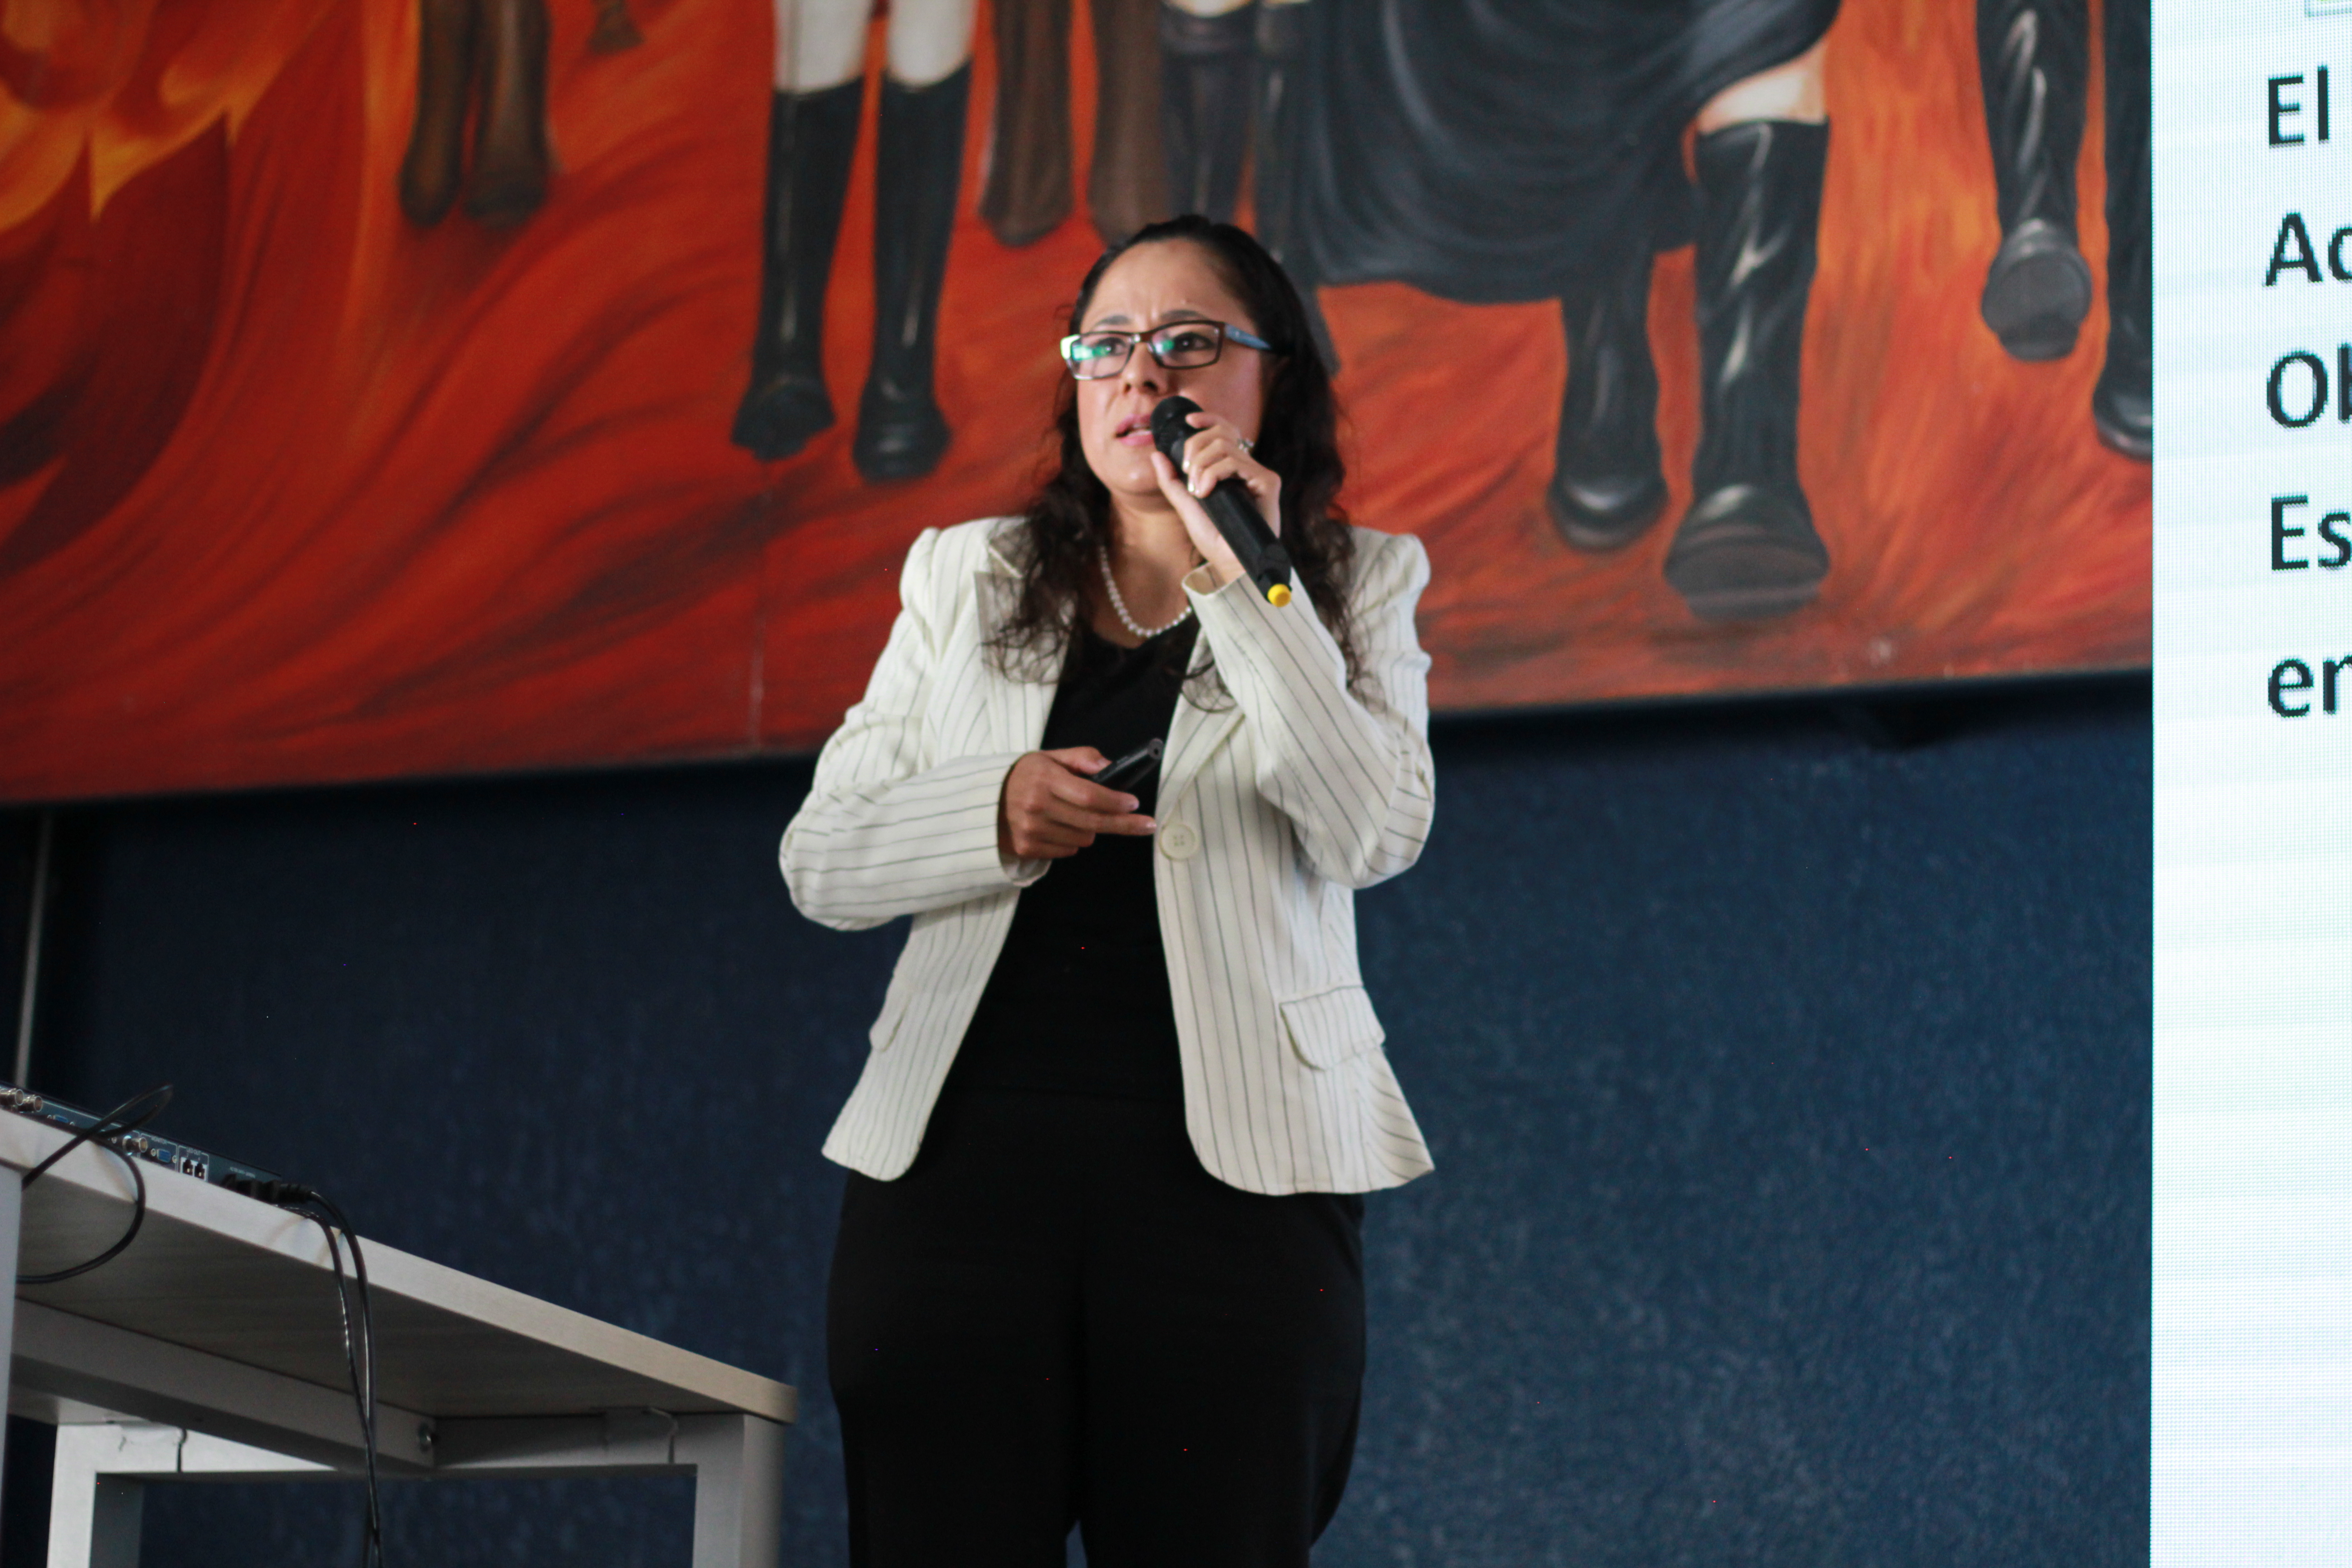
(1150, 286)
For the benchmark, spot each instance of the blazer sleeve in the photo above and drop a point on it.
(886, 831)
(1354, 777)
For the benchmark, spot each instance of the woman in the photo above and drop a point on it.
(1099, 1255)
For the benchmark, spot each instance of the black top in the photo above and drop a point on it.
(1078, 1001)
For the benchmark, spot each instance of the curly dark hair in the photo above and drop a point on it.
(1068, 518)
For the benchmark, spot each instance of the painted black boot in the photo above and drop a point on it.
(811, 137)
(2034, 59)
(901, 434)
(1208, 70)
(1274, 201)
(1608, 483)
(1746, 548)
(2123, 402)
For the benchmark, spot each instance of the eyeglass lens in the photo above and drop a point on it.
(1182, 346)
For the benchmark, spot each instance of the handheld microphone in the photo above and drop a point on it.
(1229, 506)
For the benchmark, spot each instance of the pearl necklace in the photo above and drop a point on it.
(1118, 605)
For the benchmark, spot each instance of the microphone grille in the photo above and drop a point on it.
(1169, 431)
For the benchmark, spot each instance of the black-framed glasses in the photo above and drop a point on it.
(1173, 345)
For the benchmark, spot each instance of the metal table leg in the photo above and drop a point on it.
(96, 1499)
(12, 1215)
(737, 1462)
(739, 1488)
(98, 1496)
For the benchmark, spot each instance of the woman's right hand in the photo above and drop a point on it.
(1049, 809)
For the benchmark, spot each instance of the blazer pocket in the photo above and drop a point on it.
(1330, 1027)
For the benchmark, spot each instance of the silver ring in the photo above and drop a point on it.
(1247, 444)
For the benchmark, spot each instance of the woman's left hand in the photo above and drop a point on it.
(1214, 453)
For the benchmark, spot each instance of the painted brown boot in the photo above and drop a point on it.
(615, 29)
(510, 156)
(435, 166)
(1028, 190)
(1128, 186)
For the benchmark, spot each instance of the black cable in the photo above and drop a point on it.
(366, 1386)
(358, 1364)
(128, 1117)
(359, 1351)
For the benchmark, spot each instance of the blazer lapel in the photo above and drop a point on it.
(1194, 737)
(1016, 710)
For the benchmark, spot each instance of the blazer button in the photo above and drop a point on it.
(1178, 840)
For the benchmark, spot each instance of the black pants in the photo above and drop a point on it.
(1058, 1316)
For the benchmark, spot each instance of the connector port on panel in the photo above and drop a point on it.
(193, 1165)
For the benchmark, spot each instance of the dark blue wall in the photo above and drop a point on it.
(1788, 1078)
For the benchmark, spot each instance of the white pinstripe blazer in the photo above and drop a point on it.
(1271, 813)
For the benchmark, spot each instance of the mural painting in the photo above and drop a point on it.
(430, 386)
